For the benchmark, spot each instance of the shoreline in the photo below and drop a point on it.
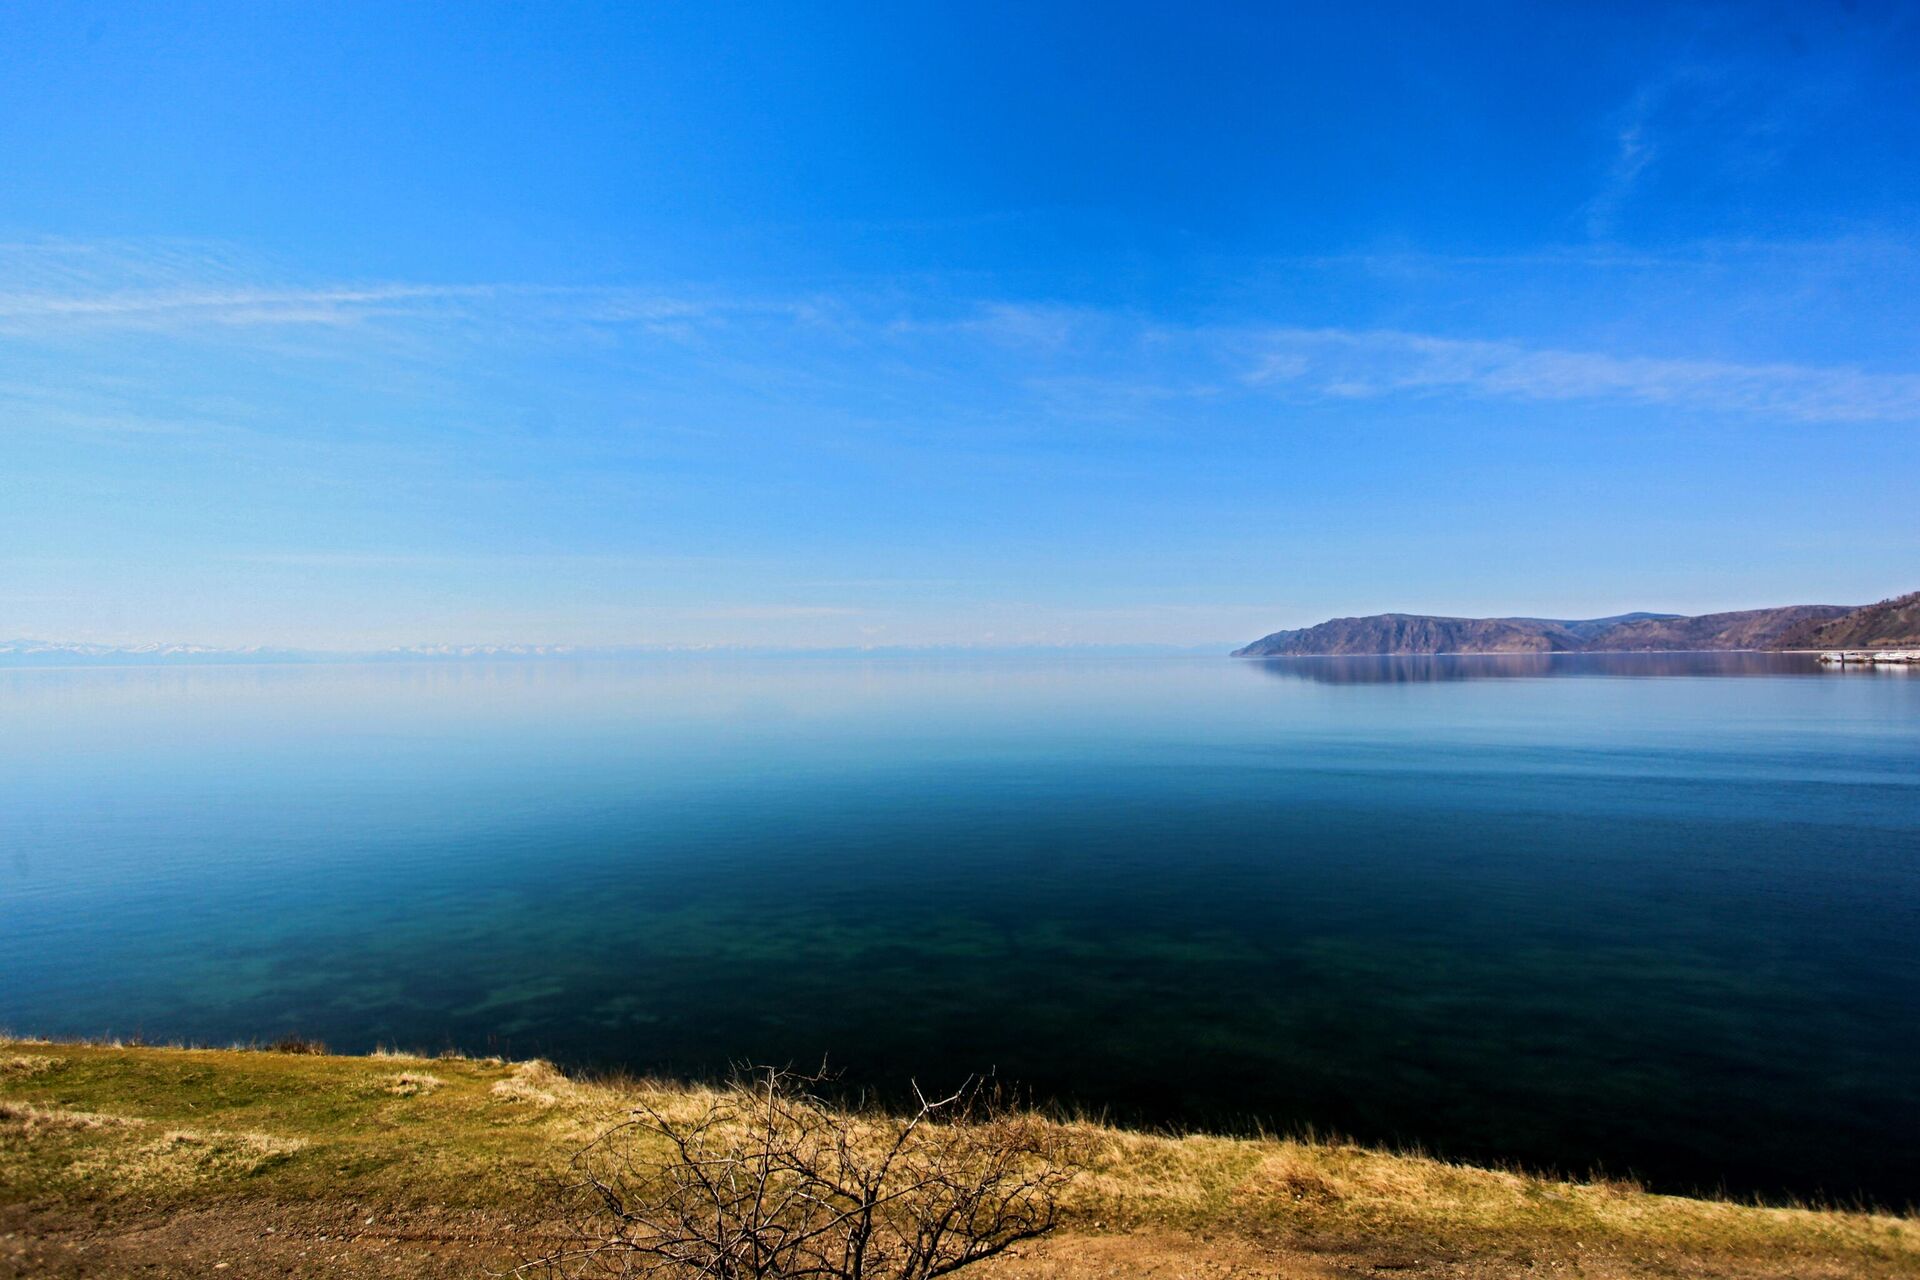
(1870, 657)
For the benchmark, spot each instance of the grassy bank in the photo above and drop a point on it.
(156, 1161)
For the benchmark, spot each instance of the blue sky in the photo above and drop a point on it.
(358, 325)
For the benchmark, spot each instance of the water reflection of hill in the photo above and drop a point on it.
(1428, 668)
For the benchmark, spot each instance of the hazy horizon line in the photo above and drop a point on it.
(14, 649)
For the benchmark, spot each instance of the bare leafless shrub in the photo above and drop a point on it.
(767, 1179)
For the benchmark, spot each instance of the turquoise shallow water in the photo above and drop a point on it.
(1653, 914)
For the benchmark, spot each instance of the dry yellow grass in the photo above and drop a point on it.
(28, 1119)
(26, 1064)
(109, 1137)
(536, 1083)
(411, 1084)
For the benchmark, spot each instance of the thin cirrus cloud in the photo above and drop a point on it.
(1059, 357)
(57, 287)
(1366, 363)
(1635, 150)
(237, 307)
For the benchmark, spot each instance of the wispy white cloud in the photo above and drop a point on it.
(1634, 151)
(764, 612)
(1031, 327)
(1383, 362)
(356, 561)
(1720, 112)
(1033, 361)
(329, 306)
(56, 286)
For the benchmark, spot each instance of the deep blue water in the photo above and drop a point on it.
(1658, 915)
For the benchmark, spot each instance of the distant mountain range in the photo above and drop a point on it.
(43, 653)
(1796, 626)
(1893, 623)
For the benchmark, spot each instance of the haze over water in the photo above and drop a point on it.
(1659, 914)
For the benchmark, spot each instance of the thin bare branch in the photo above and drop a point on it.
(769, 1181)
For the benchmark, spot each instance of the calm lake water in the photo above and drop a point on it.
(1655, 914)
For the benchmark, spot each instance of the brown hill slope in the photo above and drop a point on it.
(1403, 633)
(1892, 623)
(1414, 633)
(1744, 629)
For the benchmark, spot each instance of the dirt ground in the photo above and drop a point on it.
(242, 1241)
